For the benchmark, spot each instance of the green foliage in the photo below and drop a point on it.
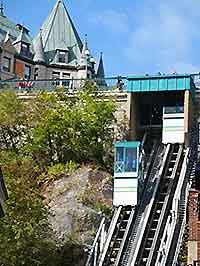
(40, 141)
(90, 199)
(77, 128)
(24, 232)
(13, 122)
(56, 171)
(71, 253)
(71, 166)
(183, 256)
(56, 128)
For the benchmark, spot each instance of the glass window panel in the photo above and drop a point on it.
(66, 83)
(6, 64)
(56, 75)
(24, 45)
(25, 49)
(131, 160)
(62, 56)
(120, 154)
(27, 74)
(173, 109)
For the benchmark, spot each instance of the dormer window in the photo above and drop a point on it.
(62, 56)
(25, 48)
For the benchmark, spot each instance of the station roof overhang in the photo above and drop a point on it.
(160, 83)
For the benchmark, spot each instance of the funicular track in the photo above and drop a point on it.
(128, 217)
(123, 218)
(118, 233)
(161, 208)
(154, 163)
(136, 234)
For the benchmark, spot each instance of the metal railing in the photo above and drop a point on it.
(72, 84)
(98, 244)
(68, 85)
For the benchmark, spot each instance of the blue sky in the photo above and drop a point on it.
(135, 36)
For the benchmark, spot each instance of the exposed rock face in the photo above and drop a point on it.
(75, 202)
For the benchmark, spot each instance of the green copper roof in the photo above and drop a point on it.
(7, 25)
(23, 38)
(59, 33)
(160, 83)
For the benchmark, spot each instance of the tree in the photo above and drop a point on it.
(77, 128)
(13, 122)
(50, 129)
(25, 235)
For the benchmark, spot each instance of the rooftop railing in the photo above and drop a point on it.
(70, 85)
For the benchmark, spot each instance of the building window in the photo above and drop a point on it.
(25, 49)
(62, 56)
(6, 64)
(36, 73)
(27, 72)
(56, 75)
(35, 76)
(66, 83)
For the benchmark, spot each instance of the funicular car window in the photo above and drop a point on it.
(119, 167)
(173, 110)
(131, 160)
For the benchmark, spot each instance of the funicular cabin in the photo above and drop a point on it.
(126, 173)
(173, 124)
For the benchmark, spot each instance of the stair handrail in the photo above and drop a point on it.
(109, 235)
(98, 235)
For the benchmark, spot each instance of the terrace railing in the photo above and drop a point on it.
(69, 85)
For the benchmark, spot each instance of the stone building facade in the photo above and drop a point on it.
(57, 52)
